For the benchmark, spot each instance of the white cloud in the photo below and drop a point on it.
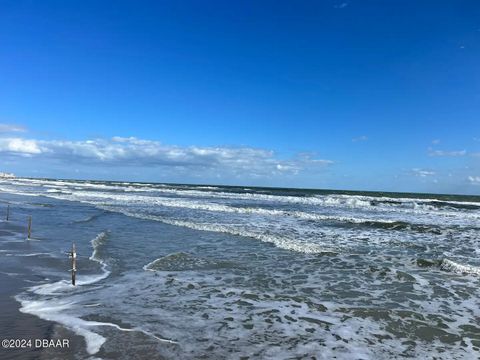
(436, 141)
(360, 138)
(422, 173)
(19, 146)
(131, 151)
(455, 153)
(7, 128)
(474, 180)
(447, 153)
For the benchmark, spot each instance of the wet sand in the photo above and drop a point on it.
(16, 325)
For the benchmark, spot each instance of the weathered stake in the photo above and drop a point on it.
(29, 227)
(73, 255)
(8, 212)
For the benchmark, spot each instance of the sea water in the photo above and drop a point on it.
(192, 272)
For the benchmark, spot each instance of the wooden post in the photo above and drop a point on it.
(8, 212)
(73, 255)
(29, 227)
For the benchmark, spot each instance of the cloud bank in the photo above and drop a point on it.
(134, 152)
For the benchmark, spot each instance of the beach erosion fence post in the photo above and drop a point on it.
(73, 255)
(29, 228)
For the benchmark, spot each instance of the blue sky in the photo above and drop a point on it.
(368, 95)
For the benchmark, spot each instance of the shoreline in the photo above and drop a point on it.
(18, 325)
(15, 324)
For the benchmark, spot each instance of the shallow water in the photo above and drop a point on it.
(176, 271)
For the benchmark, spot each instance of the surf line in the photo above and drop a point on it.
(136, 329)
(96, 243)
(45, 309)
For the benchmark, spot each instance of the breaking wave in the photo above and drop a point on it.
(452, 266)
(449, 265)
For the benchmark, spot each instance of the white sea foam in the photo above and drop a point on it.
(97, 242)
(16, 192)
(96, 198)
(209, 206)
(252, 321)
(356, 201)
(368, 209)
(283, 243)
(56, 309)
(58, 191)
(382, 214)
(31, 254)
(56, 306)
(450, 265)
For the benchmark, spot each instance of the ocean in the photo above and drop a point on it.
(170, 271)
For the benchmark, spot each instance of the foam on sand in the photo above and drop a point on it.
(55, 308)
(57, 303)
